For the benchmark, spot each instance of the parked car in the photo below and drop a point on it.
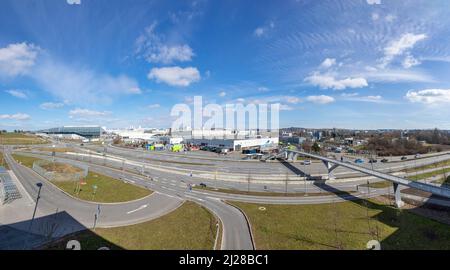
(384, 160)
(417, 156)
(306, 162)
(372, 160)
(404, 158)
(359, 160)
(203, 185)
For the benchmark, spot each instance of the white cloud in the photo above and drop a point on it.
(17, 116)
(80, 85)
(259, 31)
(155, 50)
(273, 99)
(17, 59)
(74, 2)
(51, 105)
(17, 93)
(328, 62)
(222, 94)
(262, 30)
(263, 89)
(322, 99)
(429, 96)
(86, 113)
(373, 2)
(398, 75)
(390, 18)
(399, 46)
(153, 106)
(328, 81)
(175, 76)
(284, 107)
(373, 99)
(410, 61)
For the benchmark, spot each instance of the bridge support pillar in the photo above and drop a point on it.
(398, 199)
(330, 167)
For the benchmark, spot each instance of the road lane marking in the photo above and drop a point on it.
(137, 209)
(195, 198)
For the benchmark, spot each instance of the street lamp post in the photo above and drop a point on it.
(36, 205)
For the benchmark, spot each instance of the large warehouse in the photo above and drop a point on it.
(89, 132)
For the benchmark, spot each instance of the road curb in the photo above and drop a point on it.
(248, 223)
(81, 200)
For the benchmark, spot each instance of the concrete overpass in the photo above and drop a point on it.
(332, 164)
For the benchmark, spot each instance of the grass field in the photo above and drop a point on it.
(429, 174)
(380, 184)
(19, 139)
(342, 225)
(276, 194)
(430, 166)
(187, 228)
(57, 150)
(24, 160)
(108, 189)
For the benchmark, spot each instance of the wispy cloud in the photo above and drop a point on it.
(155, 49)
(17, 116)
(17, 93)
(80, 85)
(51, 105)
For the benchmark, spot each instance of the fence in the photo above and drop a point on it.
(59, 176)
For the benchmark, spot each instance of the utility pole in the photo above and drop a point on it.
(36, 205)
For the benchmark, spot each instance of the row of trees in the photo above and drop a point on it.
(435, 136)
(396, 147)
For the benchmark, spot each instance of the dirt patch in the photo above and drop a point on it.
(60, 168)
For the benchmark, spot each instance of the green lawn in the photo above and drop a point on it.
(24, 160)
(342, 226)
(108, 189)
(20, 139)
(430, 166)
(429, 174)
(380, 184)
(263, 193)
(190, 227)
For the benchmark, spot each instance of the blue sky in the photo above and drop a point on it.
(362, 64)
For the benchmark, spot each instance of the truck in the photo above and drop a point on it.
(177, 148)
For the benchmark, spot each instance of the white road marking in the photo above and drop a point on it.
(137, 209)
(195, 198)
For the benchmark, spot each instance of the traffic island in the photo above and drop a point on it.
(190, 227)
(343, 226)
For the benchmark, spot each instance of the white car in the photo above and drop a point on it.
(306, 162)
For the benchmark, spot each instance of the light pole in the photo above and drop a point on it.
(39, 185)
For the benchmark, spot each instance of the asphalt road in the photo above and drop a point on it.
(197, 163)
(235, 234)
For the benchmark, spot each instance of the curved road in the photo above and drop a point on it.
(235, 229)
